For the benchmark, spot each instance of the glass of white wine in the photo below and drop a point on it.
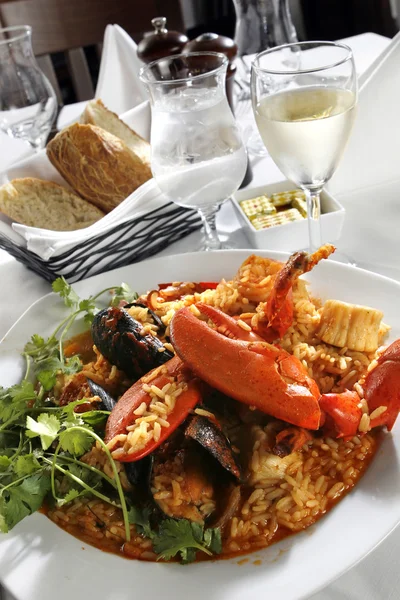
(304, 98)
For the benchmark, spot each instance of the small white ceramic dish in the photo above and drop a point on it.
(39, 561)
(291, 236)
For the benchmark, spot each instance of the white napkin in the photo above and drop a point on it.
(11, 151)
(372, 155)
(119, 85)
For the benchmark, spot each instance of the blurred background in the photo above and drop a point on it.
(67, 34)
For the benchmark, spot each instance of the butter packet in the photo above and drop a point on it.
(283, 198)
(280, 218)
(254, 207)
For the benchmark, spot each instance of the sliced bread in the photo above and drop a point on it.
(47, 205)
(98, 165)
(97, 114)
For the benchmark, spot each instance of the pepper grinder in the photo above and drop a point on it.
(211, 42)
(160, 42)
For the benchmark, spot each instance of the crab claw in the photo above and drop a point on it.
(382, 387)
(253, 372)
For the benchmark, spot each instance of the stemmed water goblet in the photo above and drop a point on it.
(28, 103)
(198, 158)
(304, 97)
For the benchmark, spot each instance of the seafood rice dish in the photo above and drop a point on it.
(198, 420)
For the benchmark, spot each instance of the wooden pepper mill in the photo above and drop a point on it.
(211, 42)
(160, 42)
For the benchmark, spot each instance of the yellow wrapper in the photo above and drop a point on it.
(281, 218)
(301, 206)
(282, 198)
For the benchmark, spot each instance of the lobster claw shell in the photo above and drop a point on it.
(255, 373)
(382, 386)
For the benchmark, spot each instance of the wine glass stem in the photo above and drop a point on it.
(208, 216)
(314, 219)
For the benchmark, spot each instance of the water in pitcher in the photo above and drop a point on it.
(198, 158)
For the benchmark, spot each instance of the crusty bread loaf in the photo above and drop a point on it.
(97, 114)
(46, 205)
(98, 166)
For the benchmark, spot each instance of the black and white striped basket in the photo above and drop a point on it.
(125, 243)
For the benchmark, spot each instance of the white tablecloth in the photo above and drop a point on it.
(377, 577)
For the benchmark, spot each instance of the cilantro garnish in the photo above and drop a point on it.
(123, 292)
(42, 444)
(174, 536)
(184, 537)
(46, 427)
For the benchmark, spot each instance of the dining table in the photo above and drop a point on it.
(377, 576)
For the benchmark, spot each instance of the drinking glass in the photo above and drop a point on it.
(305, 114)
(28, 103)
(198, 158)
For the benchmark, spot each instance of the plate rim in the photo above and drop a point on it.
(273, 254)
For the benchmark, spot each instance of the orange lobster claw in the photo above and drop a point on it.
(342, 413)
(253, 372)
(382, 386)
(123, 415)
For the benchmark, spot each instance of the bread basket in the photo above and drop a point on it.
(142, 225)
(125, 243)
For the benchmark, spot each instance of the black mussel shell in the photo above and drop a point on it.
(156, 319)
(118, 338)
(139, 471)
(107, 401)
(209, 435)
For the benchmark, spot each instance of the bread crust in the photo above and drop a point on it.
(97, 165)
(96, 113)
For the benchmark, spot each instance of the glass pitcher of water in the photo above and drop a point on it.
(198, 158)
(28, 103)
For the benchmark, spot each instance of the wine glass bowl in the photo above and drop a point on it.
(304, 97)
(198, 158)
(28, 103)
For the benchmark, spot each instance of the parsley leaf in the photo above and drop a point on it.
(184, 537)
(19, 501)
(48, 379)
(26, 464)
(41, 349)
(95, 417)
(123, 292)
(14, 400)
(5, 462)
(47, 427)
(75, 441)
(72, 365)
(64, 289)
(140, 518)
(71, 495)
(212, 540)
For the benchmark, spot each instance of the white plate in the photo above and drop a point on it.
(39, 561)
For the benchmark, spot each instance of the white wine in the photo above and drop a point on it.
(306, 130)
